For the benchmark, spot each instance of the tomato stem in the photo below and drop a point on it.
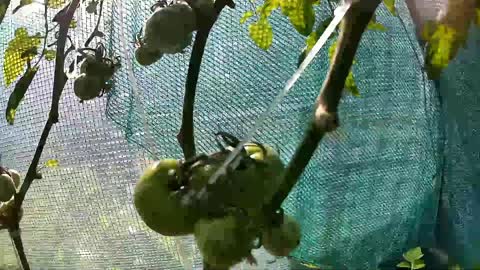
(64, 18)
(325, 118)
(186, 137)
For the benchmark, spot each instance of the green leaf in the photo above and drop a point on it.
(18, 93)
(261, 33)
(247, 15)
(52, 163)
(50, 54)
(18, 52)
(429, 28)
(22, 4)
(266, 9)
(56, 3)
(315, 35)
(390, 4)
(374, 25)
(3, 9)
(413, 254)
(455, 267)
(92, 7)
(404, 265)
(300, 13)
(442, 47)
(419, 264)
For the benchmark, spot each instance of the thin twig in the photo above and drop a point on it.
(18, 243)
(59, 82)
(325, 118)
(95, 31)
(186, 135)
(45, 16)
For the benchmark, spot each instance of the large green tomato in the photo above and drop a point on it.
(169, 29)
(145, 57)
(223, 242)
(282, 240)
(158, 205)
(94, 67)
(255, 185)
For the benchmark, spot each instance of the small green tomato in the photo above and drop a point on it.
(282, 240)
(7, 188)
(15, 177)
(87, 87)
(223, 242)
(94, 67)
(157, 204)
(169, 29)
(145, 57)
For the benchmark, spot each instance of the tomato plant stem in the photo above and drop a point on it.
(186, 137)
(325, 118)
(63, 18)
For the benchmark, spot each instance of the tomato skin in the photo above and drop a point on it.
(7, 188)
(15, 177)
(169, 29)
(94, 67)
(158, 206)
(223, 242)
(282, 240)
(145, 57)
(87, 87)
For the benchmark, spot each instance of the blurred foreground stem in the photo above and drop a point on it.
(325, 118)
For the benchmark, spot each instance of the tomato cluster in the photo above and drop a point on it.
(230, 219)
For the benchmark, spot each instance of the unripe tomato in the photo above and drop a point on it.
(169, 29)
(15, 177)
(157, 204)
(87, 87)
(282, 240)
(6, 209)
(7, 188)
(223, 242)
(94, 67)
(145, 57)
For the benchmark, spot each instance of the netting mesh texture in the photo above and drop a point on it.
(370, 193)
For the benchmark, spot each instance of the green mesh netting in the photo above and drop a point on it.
(370, 193)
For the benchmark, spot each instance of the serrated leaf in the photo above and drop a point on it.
(261, 33)
(14, 63)
(18, 93)
(419, 264)
(390, 4)
(300, 13)
(404, 265)
(413, 254)
(3, 9)
(50, 54)
(22, 4)
(247, 15)
(52, 163)
(56, 3)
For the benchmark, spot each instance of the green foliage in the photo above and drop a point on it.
(18, 93)
(52, 163)
(350, 84)
(443, 45)
(21, 49)
(412, 259)
(300, 13)
(73, 24)
(56, 3)
(49, 54)
(390, 4)
(376, 26)
(247, 15)
(92, 7)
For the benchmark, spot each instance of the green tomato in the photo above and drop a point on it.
(157, 204)
(87, 87)
(169, 29)
(15, 177)
(145, 57)
(7, 209)
(255, 186)
(7, 188)
(223, 242)
(282, 240)
(93, 67)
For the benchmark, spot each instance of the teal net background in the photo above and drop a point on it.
(371, 192)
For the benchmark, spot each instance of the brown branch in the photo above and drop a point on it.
(205, 22)
(325, 117)
(64, 18)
